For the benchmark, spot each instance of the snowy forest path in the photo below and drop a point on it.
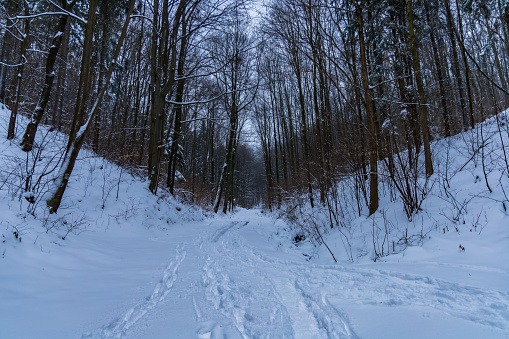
(326, 291)
(233, 279)
(119, 327)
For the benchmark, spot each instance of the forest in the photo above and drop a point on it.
(226, 103)
(254, 169)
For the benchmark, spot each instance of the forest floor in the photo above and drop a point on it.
(136, 266)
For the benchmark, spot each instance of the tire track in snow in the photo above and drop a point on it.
(119, 327)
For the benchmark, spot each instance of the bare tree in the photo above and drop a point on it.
(234, 49)
(72, 154)
(31, 129)
(19, 73)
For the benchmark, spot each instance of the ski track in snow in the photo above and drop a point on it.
(240, 290)
(261, 304)
(324, 312)
(247, 293)
(248, 300)
(119, 327)
(485, 307)
(362, 286)
(223, 230)
(371, 287)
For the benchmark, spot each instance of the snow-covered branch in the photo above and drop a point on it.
(33, 16)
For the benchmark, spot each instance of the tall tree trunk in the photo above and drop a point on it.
(164, 60)
(468, 75)
(69, 161)
(373, 148)
(359, 149)
(19, 75)
(423, 114)
(105, 11)
(438, 65)
(31, 129)
(138, 92)
(276, 158)
(56, 119)
(313, 39)
(455, 63)
(175, 140)
(157, 102)
(227, 173)
(225, 177)
(84, 83)
(303, 123)
(7, 45)
(230, 156)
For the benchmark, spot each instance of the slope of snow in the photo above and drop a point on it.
(137, 266)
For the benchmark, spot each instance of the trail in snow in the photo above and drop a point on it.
(119, 327)
(330, 319)
(392, 289)
(243, 287)
(238, 290)
(379, 287)
(241, 291)
(310, 296)
(235, 277)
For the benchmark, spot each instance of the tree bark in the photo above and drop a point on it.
(423, 113)
(172, 163)
(373, 148)
(303, 123)
(69, 161)
(8, 43)
(31, 129)
(19, 75)
(164, 59)
(84, 83)
(56, 118)
(455, 63)
(439, 67)
(468, 74)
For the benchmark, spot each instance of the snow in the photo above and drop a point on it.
(134, 265)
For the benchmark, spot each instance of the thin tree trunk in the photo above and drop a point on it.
(226, 181)
(8, 43)
(303, 122)
(468, 74)
(105, 9)
(172, 163)
(56, 119)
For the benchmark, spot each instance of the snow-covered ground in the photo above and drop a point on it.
(136, 266)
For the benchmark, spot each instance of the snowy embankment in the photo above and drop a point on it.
(136, 266)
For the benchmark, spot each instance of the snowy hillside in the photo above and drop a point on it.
(118, 262)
